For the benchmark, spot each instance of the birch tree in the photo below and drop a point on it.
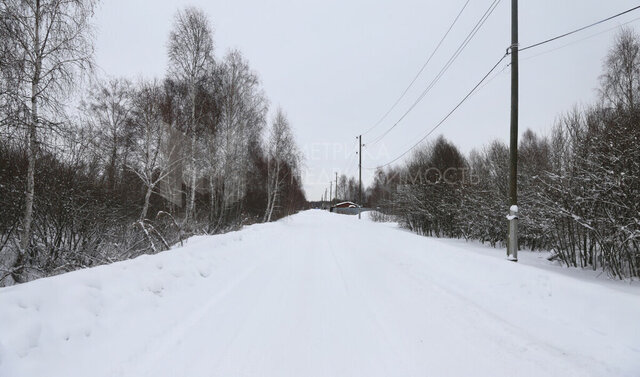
(621, 78)
(243, 109)
(11, 70)
(52, 42)
(282, 154)
(190, 52)
(109, 108)
(126, 145)
(150, 165)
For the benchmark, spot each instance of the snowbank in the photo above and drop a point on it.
(318, 294)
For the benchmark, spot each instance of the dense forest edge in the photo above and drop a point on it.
(578, 187)
(134, 167)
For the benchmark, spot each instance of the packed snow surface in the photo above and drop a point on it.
(320, 294)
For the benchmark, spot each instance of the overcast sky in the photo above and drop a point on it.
(337, 66)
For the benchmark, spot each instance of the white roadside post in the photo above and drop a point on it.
(512, 247)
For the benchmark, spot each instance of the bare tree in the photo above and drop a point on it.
(152, 161)
(127, 144)
(109, 108)
(52, 40)
(243, 109)
(190, 53)
(282, 153)
(621, 79)
(11, 70)
(342, 189)
(579, 185)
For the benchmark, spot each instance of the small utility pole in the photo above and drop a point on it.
(360, 177)
(330, 191)
(512, 247)
(336, 186)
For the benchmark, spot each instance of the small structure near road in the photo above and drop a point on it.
(345, 208)
(345, 205)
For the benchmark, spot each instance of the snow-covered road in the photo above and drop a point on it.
(319, 294)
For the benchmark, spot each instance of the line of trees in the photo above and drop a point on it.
(579, 187)
(140, 165)
(347, 189)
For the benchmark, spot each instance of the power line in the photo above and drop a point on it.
(482, 20)
(446, 67)
(487, 82)
(581, 40)
(447, 116)
(558, 48)
(348, 167)
(580, 29)
(420, 71)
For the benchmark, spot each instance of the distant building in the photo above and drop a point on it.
(345, 205)
(345, 208)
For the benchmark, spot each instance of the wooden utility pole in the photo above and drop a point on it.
(336, 186)
(512, 247)
(360, 177)
(330, 192)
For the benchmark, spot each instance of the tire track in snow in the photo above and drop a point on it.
(516, 332)
(271, 269)
(158, 348)
(365, 307)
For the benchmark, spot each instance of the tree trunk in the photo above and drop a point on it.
(266, 212)
(29, 193)
(192, 195)
(273, 203)
(191, 207)
(145, 207)
(276, 185)
(31, 139)
(212, 199)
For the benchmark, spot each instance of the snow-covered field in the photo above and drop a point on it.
(320, 294)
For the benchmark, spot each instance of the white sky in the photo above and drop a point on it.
(337, 66)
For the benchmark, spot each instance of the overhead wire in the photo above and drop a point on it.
(446, 116)
(444, 69)
(500, 72)
(435, 50)
(557, 48)
(475, 88)
(579, 29)
(350, 166)
(492, 78)
(580, 40)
